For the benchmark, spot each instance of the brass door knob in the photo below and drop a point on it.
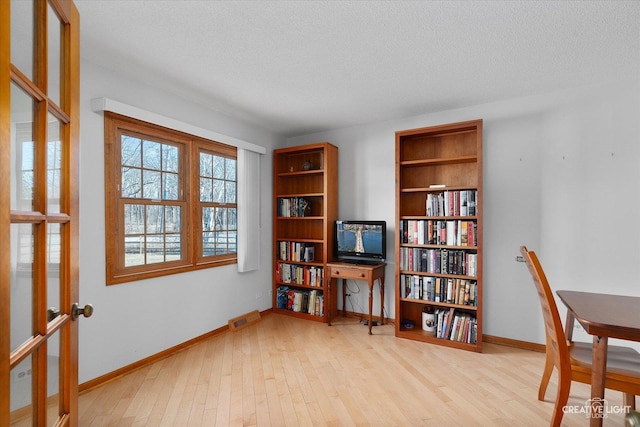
(52, 313)
(85, 311)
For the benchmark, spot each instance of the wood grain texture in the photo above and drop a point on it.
(285, 371)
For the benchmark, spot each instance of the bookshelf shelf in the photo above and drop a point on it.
(305, 207)
(444, 161)
(438, 242)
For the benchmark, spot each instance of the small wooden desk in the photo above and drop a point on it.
(367, 273)
(603, 316)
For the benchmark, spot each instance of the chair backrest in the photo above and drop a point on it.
(556, 340)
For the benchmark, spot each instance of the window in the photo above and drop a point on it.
(170, 201)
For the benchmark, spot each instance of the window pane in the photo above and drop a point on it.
(221, 243)
(20, 393)
(230, 169)
(230, 192)
(155, 219)
(151, 155)
(54, 246)
(23, 153)
(232, 218)
(151, 186)
(155, 249)
(170, 158)
(54, 389)
(208, 222)
(133, 219)
(130, 151)
(206, 190)
(170, 186)
(54, 28)
(208, 243)
(22, 29)
(54, 164)
(174, 247)
(21, 306)
(131, 182)
(232, 243)
(221, 219)
(133, 250)
(218, 191)
(206, 165)
(218, 167)
(172, 219)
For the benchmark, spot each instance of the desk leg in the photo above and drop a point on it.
(598, 366)
(370, 306)
(327, 301)
(381, 300)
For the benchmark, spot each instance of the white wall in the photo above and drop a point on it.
(560, 176)
(138, 319)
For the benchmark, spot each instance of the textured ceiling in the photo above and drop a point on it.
(297, 67)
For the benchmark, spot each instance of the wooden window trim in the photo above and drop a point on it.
(189, 201)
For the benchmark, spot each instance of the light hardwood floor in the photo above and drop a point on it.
(284, 371)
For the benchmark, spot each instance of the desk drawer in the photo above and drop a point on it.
(350, 273)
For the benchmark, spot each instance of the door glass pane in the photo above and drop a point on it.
(53, 265)
(21, 258)
(22, 36)
(54, 29)
(54, 164)
(21, 409)
(54, 388)
(22, 150)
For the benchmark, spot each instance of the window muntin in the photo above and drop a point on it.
(171, 214)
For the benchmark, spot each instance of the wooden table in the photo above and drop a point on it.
(364, 272)
(603, 316)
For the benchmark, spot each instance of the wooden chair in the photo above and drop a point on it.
(573, 359)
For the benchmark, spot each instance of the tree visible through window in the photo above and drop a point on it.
(171, 200)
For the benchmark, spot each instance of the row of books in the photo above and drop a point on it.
(300, 301)
(452, 203)
(456, 326)
(439, 232)
(439, 289)
(300, 274)
(293, 206)
(443, 261)
(296, 251)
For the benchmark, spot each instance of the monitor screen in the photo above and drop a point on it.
(361, 240)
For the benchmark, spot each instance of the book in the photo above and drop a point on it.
(454, 327)
(441, 323)
(309, 253)
(449, 322)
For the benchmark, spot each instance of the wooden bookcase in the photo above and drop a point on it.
(438, 244)
(305, 208)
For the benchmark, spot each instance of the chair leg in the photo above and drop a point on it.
(629, 400)
(564, 387)
(546, 375)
